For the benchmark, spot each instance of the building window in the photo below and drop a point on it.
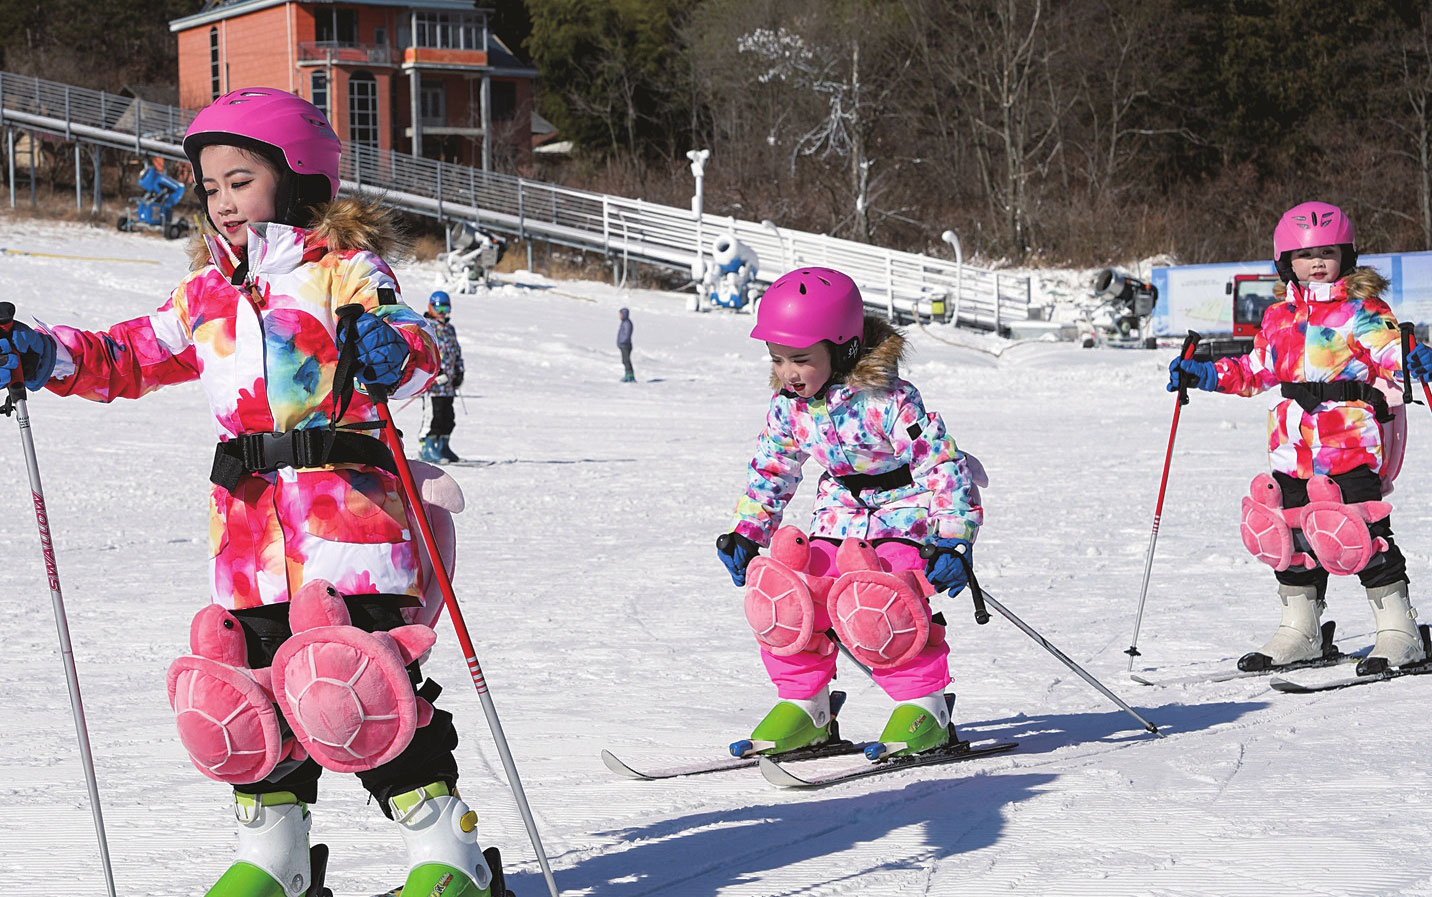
(380, 36)
(318, 90)
(336, 26)
(433, 99)
(448, 31)
(504, 100)
(363, 109)
(214, 84)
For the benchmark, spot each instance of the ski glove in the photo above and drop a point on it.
(736, 552)
(945, 570)
(381, 352)
(1419, 363)
(1189, 372)
(29, 349)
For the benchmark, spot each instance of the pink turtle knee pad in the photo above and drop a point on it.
(225, 711)
(783, 601)
(1338, 532)
(881, 617)
(346, 692)
(1267, 529)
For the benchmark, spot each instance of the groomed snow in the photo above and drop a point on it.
(602, 619)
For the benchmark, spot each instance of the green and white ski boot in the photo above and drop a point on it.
(917, 725)
(441, 835)
(793, 723)
(273, 858)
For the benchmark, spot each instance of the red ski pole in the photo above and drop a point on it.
(15, 401)
(347, 314)
(1190, 342)
(1408, 341)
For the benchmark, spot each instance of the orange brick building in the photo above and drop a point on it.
(369, 64)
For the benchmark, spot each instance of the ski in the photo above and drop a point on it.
(777, 774)
(702, 767)
(1289, 687)
(1229, 675)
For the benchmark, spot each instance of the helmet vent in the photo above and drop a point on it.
(803, 289)
(823, 280)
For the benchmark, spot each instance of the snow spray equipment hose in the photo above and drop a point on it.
(1190, 342)
(347, 317)
(1408, 340)
(984, 600)
(15, 402)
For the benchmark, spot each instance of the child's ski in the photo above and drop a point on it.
(701, 767)
(777, 774)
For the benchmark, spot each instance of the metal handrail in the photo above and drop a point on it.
(901, 284)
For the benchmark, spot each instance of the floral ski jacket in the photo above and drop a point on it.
(1321, 333)
(450, 355)
(257, 329)
(872, 423)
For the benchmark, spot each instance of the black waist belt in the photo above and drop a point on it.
(890, 479)
(311, 447)
(1311, 395)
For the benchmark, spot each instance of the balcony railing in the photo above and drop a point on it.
(344, 53)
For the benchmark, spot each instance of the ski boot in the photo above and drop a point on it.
(441, 835)
(446, 453)
(273, 859)
(791, 724)
(1300, 636)
(917, 725)
(1399, 638)
(429, 450)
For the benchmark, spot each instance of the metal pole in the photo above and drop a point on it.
(15, 399)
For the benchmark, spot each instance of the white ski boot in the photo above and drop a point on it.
(441, 835)
(273, 856)
(1301, 634)
(1399, 641)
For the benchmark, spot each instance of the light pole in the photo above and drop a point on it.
(950, 237)
(770, 225)
(698, 169)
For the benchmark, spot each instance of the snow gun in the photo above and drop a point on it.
(348, 365)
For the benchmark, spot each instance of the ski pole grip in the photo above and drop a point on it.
(1190, 343)
(1406, 328)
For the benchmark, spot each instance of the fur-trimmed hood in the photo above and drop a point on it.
(1361, 283)
(878, 366)
(347, 223)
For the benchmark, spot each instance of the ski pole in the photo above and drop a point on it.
(1408, 339)
(1190, 342)
(347, 315)
(15, 402)
(983, 598)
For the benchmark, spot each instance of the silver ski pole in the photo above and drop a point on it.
(983, 598)
(15, 402)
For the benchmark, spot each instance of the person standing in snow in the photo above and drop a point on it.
(297, 507)
(435, 449)
(894, 482)
(1331, 346)
(624, 344)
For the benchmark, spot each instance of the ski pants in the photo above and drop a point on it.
(443, 417)
(427, 759)
(626, 358)
(1358, 485)
(803, 674)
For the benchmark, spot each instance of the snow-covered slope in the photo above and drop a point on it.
(603, 619)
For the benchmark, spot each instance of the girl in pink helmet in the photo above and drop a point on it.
(294, 501)
(893, 482)
(1332, 348)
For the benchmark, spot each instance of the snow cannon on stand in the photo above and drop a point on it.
(729, 280)
(475, 252)
(1121, 312)
(155, 209)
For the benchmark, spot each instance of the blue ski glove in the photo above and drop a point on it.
(1419, 363)
(945, 570)
(736, 552)
(381, 352)
(1189, 372)
(31, 351)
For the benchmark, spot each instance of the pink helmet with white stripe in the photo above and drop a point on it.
(287, 130)
(1312, 224)
(808, 305)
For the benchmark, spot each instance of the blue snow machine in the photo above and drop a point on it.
(155, 209)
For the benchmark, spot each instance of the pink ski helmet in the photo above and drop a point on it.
(1312, 224)
(808, 305)
(287, 130)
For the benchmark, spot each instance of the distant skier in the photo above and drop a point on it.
(435, 447)
(294, 505)
(624, 344)
(894, 480)
(1331, 345)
